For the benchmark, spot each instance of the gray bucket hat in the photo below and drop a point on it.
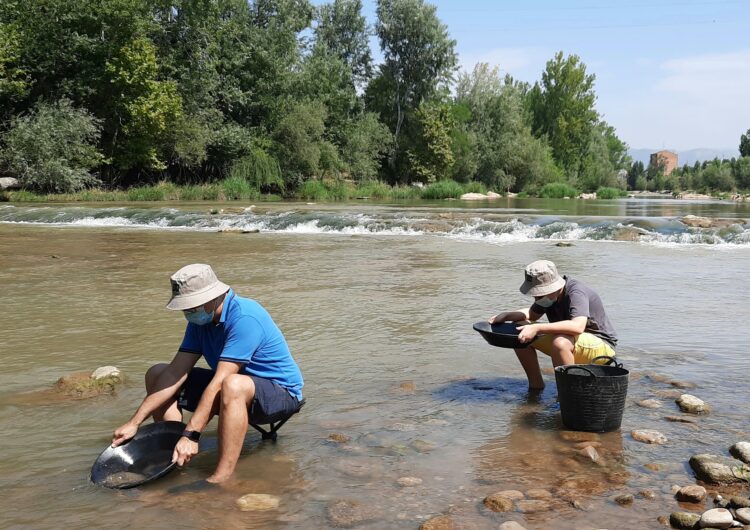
(194, 285)
(542, 278)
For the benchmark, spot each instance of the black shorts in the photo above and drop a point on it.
(272, 402)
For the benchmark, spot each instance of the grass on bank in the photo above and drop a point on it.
(237, 187)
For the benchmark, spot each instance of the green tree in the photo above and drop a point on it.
(636, 171)
(562, 107)
(299, 142)
(13, 80)
(366, 141)
(419, 60)
(432, 158)
(718, 176)
(343, 30)
(745, 144)
(53, 148)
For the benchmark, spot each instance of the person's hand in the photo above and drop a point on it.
(184, 451)
(498, 319)
(528, 333)
(124, 433)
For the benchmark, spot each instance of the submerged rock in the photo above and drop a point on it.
(533, 506)
(440, 522)
(692, 404)
(649, 437)
(513, 495)
(647, 494)
(84, 384)
(511, 525)
(680, 419)
(408, 482)
(625, 499)
(538, 494)
(338, 438)
(578, 436)
(650, 403)
(589, 453)
(346, 514)
(741, 450)
(498, 503)
(257, 502)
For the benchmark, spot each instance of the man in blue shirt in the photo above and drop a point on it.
(253, 377)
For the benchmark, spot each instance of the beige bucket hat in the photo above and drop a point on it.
(194, 285)
(542, 278)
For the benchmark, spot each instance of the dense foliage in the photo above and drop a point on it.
(238, 97)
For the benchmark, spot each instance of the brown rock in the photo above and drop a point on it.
(653, 466)
(513, 495)
(255, 502)
(578, 436)
(408, 387)
(441, 522)
(647, 494)
(692, 404)
(649, 437)
(533, 506)
(538, 494)
(498, 503)
(582, 445)
(650, 403)
(408, 482)
(339, 438)
(626, 499)
(589, 453)
(680, 419)
(82, 385)
(691, 494)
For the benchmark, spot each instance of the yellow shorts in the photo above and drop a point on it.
(587, 347)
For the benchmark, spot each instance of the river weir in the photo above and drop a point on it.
(410, 414)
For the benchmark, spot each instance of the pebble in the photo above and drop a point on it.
(257, 502)
(649, 437)
(663, 520)
(625, 499)
(692, 404)
(589, 453)
(691, 494)
(498, 503)
(735, 501)
(511, 525)
(716, 518)
(513, 495)
(647, 494)
(743, 515)
(349, 513)
(338, 438)
(538, 494)
(441, 522)
(408, 482)
(403, 427)
(680, 419)
(653, 466)
(650, 403)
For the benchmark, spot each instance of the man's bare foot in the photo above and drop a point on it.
(217, 479)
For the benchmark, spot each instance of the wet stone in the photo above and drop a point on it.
(625, 499)
(408, 482)
(591, 443)
(653, 466)
(716, 518)
(513, 495)
(680, 419)
(682, 384)
(684, 520)
(408, 387)
(649, 436)
(338, 438)
(576, 436)
(741, 451)
(422, 446)
(441, 522)
(511, 525)
(735, 501)
(589, 453)
(347, 514)
(743, 515)
(498, 503)
(717, 469)
(650, 403)
(538, 494)
(663, 520)
(255, 502)
(691, 494)
(692, 404)
(668, 393)
(647, 494)
(404, 427)
(533, 506)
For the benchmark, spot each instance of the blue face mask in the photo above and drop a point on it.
(200, 317)
(545, 302)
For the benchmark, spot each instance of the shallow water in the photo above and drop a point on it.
(380, 324)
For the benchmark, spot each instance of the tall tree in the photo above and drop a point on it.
(419, 56)
(562, 106)
(344, 31)
(745, 144)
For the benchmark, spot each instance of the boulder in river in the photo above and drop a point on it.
(741, 450)
(80, 385)
(692, 404)
(695, 221)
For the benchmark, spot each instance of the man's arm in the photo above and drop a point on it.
(574, 326)
(169, 382)
(186, 449)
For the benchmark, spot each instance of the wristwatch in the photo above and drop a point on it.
(193, 436)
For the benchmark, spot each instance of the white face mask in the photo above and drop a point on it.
(545, 302)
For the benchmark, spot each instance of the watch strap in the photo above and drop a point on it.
(192, 435)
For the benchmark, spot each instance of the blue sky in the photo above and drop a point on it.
(670, 73)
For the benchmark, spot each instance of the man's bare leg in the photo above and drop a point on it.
(156, 379)
(530, 364)
(237, 392)
(563, 347)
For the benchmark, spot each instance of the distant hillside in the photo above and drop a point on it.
(689, 156)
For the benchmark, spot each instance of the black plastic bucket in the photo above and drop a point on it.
(592, 396)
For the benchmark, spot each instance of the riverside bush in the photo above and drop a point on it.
(236, 187)
(609, 193)
(443, 189)
(558, 190)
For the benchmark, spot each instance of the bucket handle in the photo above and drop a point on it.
(611, 361)
(578, 367)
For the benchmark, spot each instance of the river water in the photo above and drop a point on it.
(377, 304)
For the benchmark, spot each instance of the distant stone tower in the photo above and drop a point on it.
(668, 159)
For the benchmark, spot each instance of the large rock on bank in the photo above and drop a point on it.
(9, 183)
(715, 469)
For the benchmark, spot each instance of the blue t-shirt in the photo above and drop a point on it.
(246, 334)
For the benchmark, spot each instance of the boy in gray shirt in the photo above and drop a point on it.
(578, 330)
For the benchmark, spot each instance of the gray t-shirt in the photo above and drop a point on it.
(580, 300)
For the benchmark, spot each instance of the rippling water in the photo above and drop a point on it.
(378, 313)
